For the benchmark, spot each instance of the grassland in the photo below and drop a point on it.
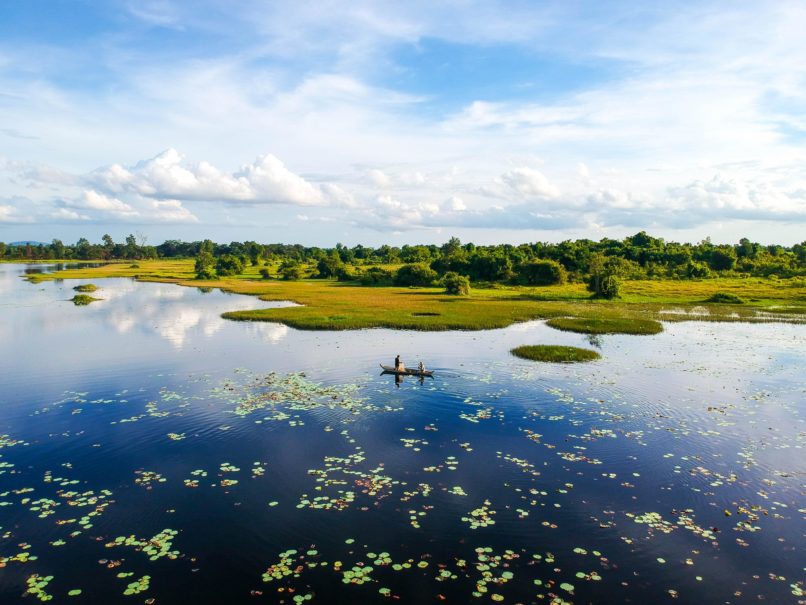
(330, 305)
(555, 353)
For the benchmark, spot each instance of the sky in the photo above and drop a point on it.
(402, 122)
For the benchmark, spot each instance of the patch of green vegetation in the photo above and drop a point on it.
(86, 288)
(725, 297)
(790, 310)
(555, 353)
(81, 300)
(333, 305)
(603, 325)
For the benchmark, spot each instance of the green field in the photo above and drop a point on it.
(331, 305)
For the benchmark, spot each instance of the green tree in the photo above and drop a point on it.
(452, 246)
(415, 254)
(456, 284)
(229, 264)
(58, 248)
(329, 266)
(723, 258)
(204, 266)
(290, 270)
(416, 274)
(376, 276)
(207, 246)
(603, 281)
(83, 248)
(697, 270)
(254, 252)
(542, 273)
(108, 246)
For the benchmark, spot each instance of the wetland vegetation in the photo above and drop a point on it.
(555, 353)
(603, 287)
(82, 300)
(606, 325)
(329, 304)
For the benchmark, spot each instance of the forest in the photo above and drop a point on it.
(639, 256)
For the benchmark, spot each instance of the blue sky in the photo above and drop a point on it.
(388, 122)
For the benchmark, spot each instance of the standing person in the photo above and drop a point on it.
(397, 362)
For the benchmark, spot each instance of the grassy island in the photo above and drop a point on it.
(606, 325)
(86, 288)
(555, 353)
(82, 300)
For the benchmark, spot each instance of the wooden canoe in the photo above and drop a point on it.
(407, 371)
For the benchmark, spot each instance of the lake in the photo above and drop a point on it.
(152, 452)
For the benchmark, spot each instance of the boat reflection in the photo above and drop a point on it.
(399, 377)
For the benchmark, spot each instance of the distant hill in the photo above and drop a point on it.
(28, 244)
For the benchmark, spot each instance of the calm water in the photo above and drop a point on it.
(154, 452)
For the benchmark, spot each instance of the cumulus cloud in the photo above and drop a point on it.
(94, 206)
(527, 206)
(92, 200)
(265, 181)
(519, 184)
(167, 211)
(271, 182)
(736, 198)
(388, 213)
(528, 182)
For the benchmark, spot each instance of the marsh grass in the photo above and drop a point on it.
(555, 353)
(606, 325)
(332, 305)
(81, 300)
(725, 298)
(86, 288)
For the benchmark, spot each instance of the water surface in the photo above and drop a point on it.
(152, 450)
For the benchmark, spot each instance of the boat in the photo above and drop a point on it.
(407, 371)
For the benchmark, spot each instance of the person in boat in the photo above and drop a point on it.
(421, 367)
(399, 366)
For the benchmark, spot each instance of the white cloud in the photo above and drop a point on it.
(454, 204)
(736, 198)
(92, 200)
(527, 182)
(167, 211)
(378, 178)
(10, 212)
(166, 176)
(271, 182)
(94, 206)
(64, 214)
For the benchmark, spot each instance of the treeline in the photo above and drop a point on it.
(640, 256)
